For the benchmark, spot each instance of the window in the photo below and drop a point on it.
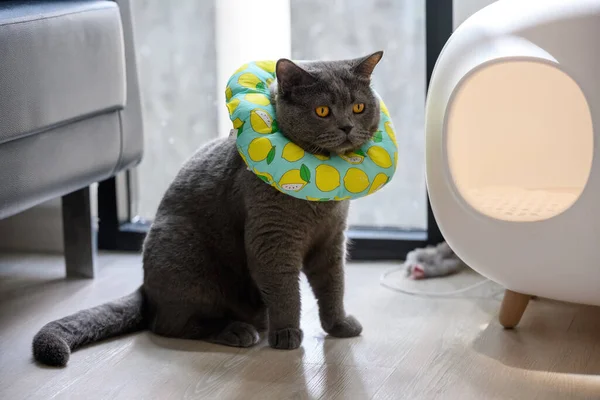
(352, 28)
(185, 51)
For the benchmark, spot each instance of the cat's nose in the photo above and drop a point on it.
(346, 128)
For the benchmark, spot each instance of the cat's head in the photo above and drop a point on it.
(327, 106)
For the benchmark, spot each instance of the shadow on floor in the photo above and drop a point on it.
(552, 337)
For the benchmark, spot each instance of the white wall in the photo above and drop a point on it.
(39, 229)
(463, 9)
(239, 42)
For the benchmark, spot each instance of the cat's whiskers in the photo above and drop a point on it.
(335, 143)
(331, 140)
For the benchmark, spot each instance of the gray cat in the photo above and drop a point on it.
(223, 256)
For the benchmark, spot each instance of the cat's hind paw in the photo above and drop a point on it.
(237, 334)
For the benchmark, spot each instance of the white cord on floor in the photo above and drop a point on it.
(387, 273)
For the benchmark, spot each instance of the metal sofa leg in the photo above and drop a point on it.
(79, 234)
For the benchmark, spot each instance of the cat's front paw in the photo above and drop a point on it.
(286, 339)
(348, 327)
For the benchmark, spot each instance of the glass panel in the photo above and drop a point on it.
(520, 141)
(177, 70)
(352, 28)
(178, 67)
(187, 50)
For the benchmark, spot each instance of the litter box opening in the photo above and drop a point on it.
(519, 140)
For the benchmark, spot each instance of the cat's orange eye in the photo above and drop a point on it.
(322, 111)
(358, 108)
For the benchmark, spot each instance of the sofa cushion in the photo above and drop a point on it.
(60, 61)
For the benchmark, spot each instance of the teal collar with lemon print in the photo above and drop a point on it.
(286, 166)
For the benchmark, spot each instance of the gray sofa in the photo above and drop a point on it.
(70, 112)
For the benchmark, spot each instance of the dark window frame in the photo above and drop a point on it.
(367, 243)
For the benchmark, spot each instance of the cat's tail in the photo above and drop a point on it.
(54, 342)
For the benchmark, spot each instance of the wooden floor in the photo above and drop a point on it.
(411, 348)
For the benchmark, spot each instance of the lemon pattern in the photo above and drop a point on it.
(356, 157)
(356, 180)
(251, 81)
(268, 66)
(318, 199)
(327, 178)
(380, 180)
(262, 122)
(264, 176)
(295, 179)
(238, 126)
(258, 98)
(232, 105)
(384, 109)
(292, 152)
(389, 129)
(261, 149)
(287, 167)
(380, 156)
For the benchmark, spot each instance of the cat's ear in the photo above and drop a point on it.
(364, 66)
(290, 75)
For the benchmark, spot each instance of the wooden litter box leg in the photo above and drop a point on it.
(512, 309)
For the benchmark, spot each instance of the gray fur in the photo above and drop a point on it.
(52, 345)
(224, 253)
(337, 85)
